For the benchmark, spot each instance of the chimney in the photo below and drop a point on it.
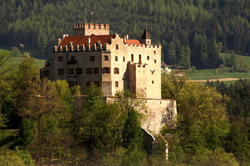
(89, 40)
(59, 41)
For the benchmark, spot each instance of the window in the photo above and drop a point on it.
(116, 70)
(140, 58)
(153, 82)
(116, 58)
(117, 47)
(116, 84)
(88, 83)
(147, 57)
(155, 61)
(70, 71)
(89, 71)
(60, 71)
(71, 83)
(60, 58)
(92, 58)
(106, 58)
(97, 83)
(123, 59)
(154, 52)
(78, 70)
(72, 58)
(106, 70)
(96, 70)
(132, 57)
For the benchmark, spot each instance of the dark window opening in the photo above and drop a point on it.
(155, 61)
(154, 52)
(70, 71)
(71, 83)
(97, 83)
(89, 70)
(78, 70)
(153, 82)
(116, 70)
(147, 57)
(106, 70)
(92, 58)
(96, 70)
(140, 58)
(60, 58)
(116, 84)
(132, 57)
(123, 59)
(116, 58)
(60, 71)
(106, 58)
(117, 47)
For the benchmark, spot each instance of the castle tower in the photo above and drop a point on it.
(146, 39)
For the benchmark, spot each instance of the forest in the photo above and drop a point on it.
(55, 125)
(191, 32)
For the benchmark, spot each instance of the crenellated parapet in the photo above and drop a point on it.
(91, 26)
(79, 48)
(89, 29)
(144, 46)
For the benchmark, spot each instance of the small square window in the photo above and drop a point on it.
(72, 58)
(60, 71)
(155, 61)
(147, 57)
(117, 47)
(116, 58)
(89, 71)
(70, 71)
(78, 70)
(60, 58)
(123, 59)
(92, 58)
(106, 58)
(106, 70)
(116, 84)
(71, 83)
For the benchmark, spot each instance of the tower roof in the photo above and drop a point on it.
(146, 35)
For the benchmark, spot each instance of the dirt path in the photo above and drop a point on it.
(220, 79)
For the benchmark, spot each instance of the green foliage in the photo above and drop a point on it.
(10, 158)
(15, 52)
(27, 132)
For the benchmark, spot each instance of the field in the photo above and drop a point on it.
(218, 73)
(18, 60)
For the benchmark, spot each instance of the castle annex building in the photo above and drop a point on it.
(114, 63)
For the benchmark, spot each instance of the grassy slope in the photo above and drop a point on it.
(216, 73)
(18, 60)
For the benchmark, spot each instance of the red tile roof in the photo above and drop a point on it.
(133, 41)
(80, 40)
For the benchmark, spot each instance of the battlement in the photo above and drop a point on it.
(91, 26)
(145, 46)
(89, 29)
(78, 48)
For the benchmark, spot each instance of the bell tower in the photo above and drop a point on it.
(146, 39)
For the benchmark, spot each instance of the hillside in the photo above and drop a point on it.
(191, 32)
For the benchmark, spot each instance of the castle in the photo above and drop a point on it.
(114, 63)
